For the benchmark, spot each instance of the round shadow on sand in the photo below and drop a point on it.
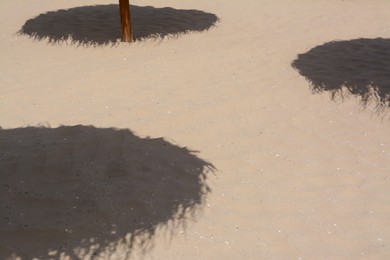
(100, 24)
(81, 191)
(362, 66)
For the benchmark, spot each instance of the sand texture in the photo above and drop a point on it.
(227, 130)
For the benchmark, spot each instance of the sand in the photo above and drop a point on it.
(228, 130)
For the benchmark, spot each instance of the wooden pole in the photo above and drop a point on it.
(127, 31)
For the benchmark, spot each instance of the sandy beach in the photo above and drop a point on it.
(227, 130)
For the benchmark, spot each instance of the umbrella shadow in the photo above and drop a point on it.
(361, 66)
(100, 24)
(81, 191)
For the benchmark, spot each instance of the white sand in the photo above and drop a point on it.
(298, 175)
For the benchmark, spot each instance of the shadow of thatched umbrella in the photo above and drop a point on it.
(99, 24)
(362, 66)
(81, 191)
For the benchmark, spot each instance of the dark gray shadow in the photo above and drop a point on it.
(362, 66)
(85, 188)
(100, 24)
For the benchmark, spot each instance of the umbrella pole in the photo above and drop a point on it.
(124, 9)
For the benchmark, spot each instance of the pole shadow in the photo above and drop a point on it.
(361, 66)
(81, 191)
(100, 24)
